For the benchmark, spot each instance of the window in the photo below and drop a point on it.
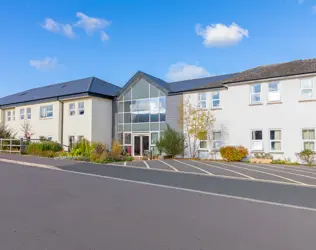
(308, 136)
(46, 111)
(274, 94)
(203, 144)
(81, 108)
(215, 100)
(72, 109)
(29, 113)
(154, 138)
(71, 141)
(307, 88)
(49, 138)
(216, 140)
(127, 139)
(255, 96)
(9, 116)
(275, 140)
(80, 138)
(42, 138)
(256, 140)
(13, 115)
(21, 114)
(202, 100)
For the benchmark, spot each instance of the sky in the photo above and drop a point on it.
(47, 42)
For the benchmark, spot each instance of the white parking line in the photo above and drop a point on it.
(251, 178)
(169, 165)
(194, 167)
(125, 163)
(279, 176)
(276, 170)
(147, 166)
(289, 168)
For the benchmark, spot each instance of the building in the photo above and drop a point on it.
(266, 109)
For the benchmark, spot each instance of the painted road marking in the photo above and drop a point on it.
(194, 167)
(259, 171)
(251, 178)
(146, 164)
(289, 168)
(169, 165)
(277, 170)
(125, 163)
(196, 191)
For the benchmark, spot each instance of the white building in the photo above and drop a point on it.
(266, 109)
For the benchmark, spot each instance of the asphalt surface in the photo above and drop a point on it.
(49, 209)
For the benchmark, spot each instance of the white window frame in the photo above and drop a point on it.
(270, 140)
(72, 110)
(126, 144)
(28, 113)
(49, 138)
(200, 100)
(13, 115)
(9, 115)
(214, 141)
(219, 99)
(308, 140)
(312, 80)
(206, 148)
(22, 114)
(252, 140)
(80, 109)
(270, 93)
(80, 137)
(46, 112)
(153, 132)
(252, 94)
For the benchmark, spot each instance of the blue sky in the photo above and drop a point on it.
(46, 42)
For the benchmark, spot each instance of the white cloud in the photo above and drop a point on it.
(220, 35)
(45, 64)
(91, 24)
(104, 36)
(53, 26)
(183, 71)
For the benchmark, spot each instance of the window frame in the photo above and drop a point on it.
(81, 109)
(72, 110)
(13, 115)
(252, 94)
(219, 99)
(301, 88)
(28, 113)
(303, 141)
(49, 138)
(203, 149)
(9, 115)
(277, 91)
(202, 100)
(22, 114)
(262, 145)
(47, 112)
(213, 140)
(270, 140)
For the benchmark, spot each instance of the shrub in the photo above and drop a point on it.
(117, 149)
(278, 161)
(44, 148)
(171, 143)
(306, 156)
(5, 132)
(233, 153)
(82, 148)
(263, 156)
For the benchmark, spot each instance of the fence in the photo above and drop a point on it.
(18, 146)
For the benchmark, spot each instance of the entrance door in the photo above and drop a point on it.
(145, 143)
(137, 146)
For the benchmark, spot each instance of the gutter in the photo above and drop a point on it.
(62, 123)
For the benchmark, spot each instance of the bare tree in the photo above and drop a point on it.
(26, 128)
(197, 124)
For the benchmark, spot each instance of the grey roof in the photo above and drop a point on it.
(187, 85)
(292, 68)
(91, 85)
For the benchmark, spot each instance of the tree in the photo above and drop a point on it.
(26, 128)
(172, 142)
(197, 124)
(5, 132)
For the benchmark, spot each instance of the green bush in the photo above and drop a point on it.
(307, 156)
(263, 156)
(171, 143)
(82, 148)
(233, 153)
(5, 132)
(278, 161)
(44, 148)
